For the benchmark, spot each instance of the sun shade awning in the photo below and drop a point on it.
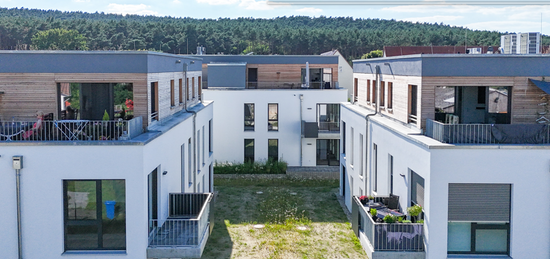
(545, 86)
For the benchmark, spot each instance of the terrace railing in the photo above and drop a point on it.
(289, 85)
(71, 130)
(488, 133)
(329, 126)
(405, 237)
(188, 222)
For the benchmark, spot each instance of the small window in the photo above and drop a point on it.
(343, 137)
(351, 147)
(187, 89)
(200, 88)
(273, 117)
(189, 162)
(249, 117)
(375, 166)
(273, 150)
(355, 89)
(382, 93)
(210, 143)
(390, 95)
(360, 154)
(198, 148)
(193, 87)
(95, 214)
(368, 91)
(203, 146)
(373, 92)
(172, 94)
(249, 150)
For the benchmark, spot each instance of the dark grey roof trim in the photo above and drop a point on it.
(269, 59)
(94, 62)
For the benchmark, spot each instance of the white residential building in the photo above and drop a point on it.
(477, 179)
(91, 187)
(265, 108)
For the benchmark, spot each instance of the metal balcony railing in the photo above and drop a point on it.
(187, 224)
(405, 237)
(329, 126)
(289, 85)
(70, 130)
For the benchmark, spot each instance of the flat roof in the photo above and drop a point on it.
(42, 61)
(473, 65)
(269, 59)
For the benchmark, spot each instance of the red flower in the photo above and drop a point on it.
(130, 104)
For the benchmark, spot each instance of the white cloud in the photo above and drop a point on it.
(255, 5)
(433, 19)
(431, 9)
(309, 10)
(140, 9)
(218, 2)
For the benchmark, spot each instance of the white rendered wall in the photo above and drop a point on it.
(229, 131)
(46, 166)
(345, 75)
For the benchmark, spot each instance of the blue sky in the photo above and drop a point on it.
(516, 18)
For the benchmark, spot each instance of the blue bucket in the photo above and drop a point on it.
(110, 205)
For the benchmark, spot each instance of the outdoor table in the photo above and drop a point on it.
(383, 211)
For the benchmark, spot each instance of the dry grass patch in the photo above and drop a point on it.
(238, 208)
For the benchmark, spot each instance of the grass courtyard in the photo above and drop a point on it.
(302, 219)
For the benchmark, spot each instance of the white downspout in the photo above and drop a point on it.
(301, 140)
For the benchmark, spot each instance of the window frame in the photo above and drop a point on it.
(251, 119)
(252, 158)
(269, 155)
(270, 121)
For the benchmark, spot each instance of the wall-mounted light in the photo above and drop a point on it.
(402, 175)
(192, 62)
(178, 61)
(165, 173)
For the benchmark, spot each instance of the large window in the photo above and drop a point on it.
(95, 214)
(273, 117)
(382, 93)
(249, 117)
(249, 150)
(390, 95)
(472, 230)
(328, 117)
(273, 149)
(375, 167)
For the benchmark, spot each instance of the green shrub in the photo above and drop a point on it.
(421, 221)
(373, 212)
(406, 221)
(414, 210)
(390, 218)
(263, 167)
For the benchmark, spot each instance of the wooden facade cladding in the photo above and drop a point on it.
(27, 93)
(400, 94)
(284, 76)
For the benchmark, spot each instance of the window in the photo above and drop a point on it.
(198, 145)
(417, 189)
(273, 117)
(249, 117)
(390, 168)
(182, 167)
(328, 117)
(203, 149)
(351, 148)
(390, 95)
(273, 149)
(355, 89)
(249, 150)
(187, 89)
(210, 143)
(189, 162)
(361, 155)
(95, 214)
(375, 167)
(193, 87)
(172, 94)
(368, 91)
(382, 93)
(343, 137)
(486, 231)
(154, 101)
(181, 90)
(413, 103)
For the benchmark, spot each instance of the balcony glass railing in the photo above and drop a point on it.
(290, 85)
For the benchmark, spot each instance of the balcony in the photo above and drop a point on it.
(488, 133)
(387, 240)
(185, 232)
(289, 85)
(70, 130)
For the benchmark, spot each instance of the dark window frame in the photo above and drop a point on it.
(249, 121)
(273, 124)
(249, 159)
(475, 226)
(273, 156)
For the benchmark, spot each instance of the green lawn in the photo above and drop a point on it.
(284, 205)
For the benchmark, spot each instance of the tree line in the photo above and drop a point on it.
(294, 35)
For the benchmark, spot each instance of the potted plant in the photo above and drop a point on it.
(414, 211)
(390, 218)
(373, 213)
(364, 199)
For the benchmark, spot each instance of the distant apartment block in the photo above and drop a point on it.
(521, 43)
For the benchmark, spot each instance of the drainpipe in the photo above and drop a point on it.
(377, 97)
(194, 129)
(17, 165)
(301, 140)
